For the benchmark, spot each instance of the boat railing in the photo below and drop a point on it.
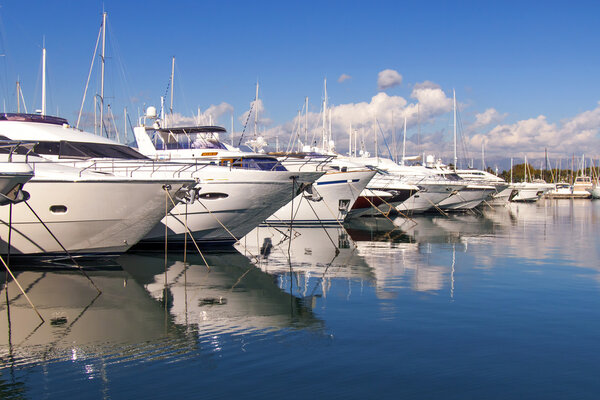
(129, 168)
(318, 163)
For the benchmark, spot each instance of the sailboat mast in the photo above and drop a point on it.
(306, 120)
(350, 141)
(330, 133)
(454, 101)
(256, 112)
(102, 74)
(324, 115)
(482, 156)
(395, 157)
(44, 80)
(404, 142)
(18, 98)
(172, 83)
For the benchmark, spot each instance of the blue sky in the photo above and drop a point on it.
(522, 59)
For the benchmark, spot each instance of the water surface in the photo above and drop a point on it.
(499, 304)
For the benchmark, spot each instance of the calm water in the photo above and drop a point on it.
(501, 305)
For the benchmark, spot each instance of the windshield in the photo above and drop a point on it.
(85, 150)
(264, 164)
(178, 141)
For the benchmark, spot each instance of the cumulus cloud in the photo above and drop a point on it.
(255, 107)
(388, 78)
(343, 77)
(577, 134)
(382, 112)
(489, 116)
(210, 115)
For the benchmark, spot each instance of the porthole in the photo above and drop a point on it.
(58, 209)
(212, 196)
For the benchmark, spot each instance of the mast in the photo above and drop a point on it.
(125, 124)
(324, 114)
(350, 141)
(482, 156)
(232, 128)
(525, 169)
(394, 139)
(455, 157)
(306, 121)
(102, 74)
(376, 142)
(44, 80)
(404, 142)
(172, 83)
(18, 98)
(256, 112)
(330, 134)
(511, 165)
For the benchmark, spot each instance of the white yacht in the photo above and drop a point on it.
(434, 185)
(89, 212)
(242, 191)
(502, 189)
(530, 191)
(229, 201)
(326, 201)
(332, 196)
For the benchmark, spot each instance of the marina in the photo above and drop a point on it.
(271, 203)
(457, 305)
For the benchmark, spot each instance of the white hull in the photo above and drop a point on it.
(87, 217)
(13, 176)
(530, 192)
(467, 198)
(595, 192)
(333, 196)
(428, 197)
(501, 198)
(371, 203)
(230, 205)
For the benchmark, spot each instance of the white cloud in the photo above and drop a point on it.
(489, 116)
(388, 78)
(212, 113)
(255, 107)
(382, 110)
(578, 135)
(344, 77)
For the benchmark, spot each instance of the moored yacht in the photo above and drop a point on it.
(242, 191)
(90, 213)
(230, 201)
(326, 201)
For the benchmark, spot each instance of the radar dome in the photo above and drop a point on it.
(151, 112)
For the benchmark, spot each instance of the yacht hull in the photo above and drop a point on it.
(334, 194)
(230, 206)
(88, 218)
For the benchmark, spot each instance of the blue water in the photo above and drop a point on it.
(500, 305)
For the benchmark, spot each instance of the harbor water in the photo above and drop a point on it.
(503, 303)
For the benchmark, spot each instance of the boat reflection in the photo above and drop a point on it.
(305, 261)
(79, 320)
(232, 295)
